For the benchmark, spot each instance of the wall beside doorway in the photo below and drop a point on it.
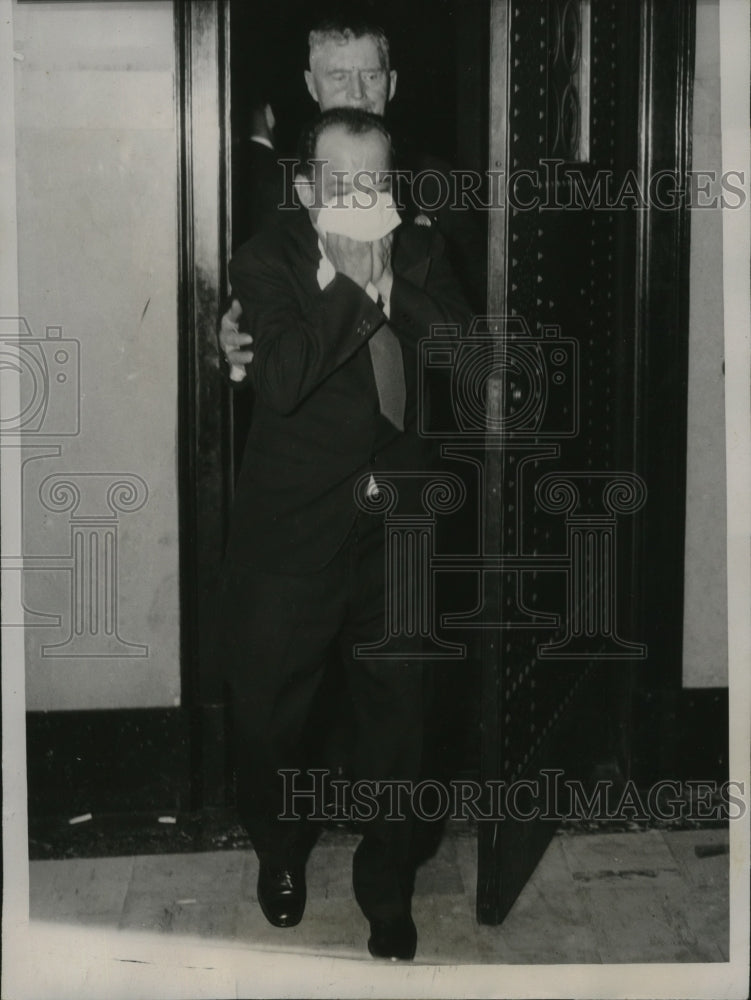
(705, 642)
(97, 217)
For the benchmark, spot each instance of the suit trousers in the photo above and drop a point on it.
(275, 634)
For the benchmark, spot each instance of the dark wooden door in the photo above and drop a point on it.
(573, 111)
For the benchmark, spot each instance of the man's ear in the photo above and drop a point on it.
(305, 190)
(392, 83)
(268, 114)
(311, 85)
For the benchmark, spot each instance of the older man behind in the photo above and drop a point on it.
(350, 66)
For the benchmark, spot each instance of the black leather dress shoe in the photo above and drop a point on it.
(281, 894)
(394, 939)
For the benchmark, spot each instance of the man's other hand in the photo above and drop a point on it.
(231, 340)
(351, 257)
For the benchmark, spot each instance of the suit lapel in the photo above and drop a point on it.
(413, 247)
(304, 239)
(303, 254)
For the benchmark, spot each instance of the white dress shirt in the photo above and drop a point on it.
(326, 274)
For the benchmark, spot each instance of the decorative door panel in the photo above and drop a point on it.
(562, 496)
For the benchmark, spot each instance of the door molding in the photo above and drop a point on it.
(668, 29)
(204, 416)
(489, 875)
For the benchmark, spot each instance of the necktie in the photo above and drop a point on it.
(388, 368)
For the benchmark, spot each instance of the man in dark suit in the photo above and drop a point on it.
(258, 178)
(336, 320)
(258, 189)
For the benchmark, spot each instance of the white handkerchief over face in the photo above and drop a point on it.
(361, 215)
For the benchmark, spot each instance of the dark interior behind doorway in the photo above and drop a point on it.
(436, 46)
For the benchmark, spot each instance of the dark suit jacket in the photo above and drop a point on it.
(258, 189)
(431, 191)
(317, 426)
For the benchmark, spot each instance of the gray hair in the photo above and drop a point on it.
(341, 31)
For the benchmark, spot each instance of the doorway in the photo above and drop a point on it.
(580, 276)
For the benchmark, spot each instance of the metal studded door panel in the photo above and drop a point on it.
(561, 495)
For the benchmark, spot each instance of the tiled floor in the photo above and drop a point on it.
(649, 896)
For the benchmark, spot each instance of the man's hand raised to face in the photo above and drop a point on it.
(362, 262)
(350, 257)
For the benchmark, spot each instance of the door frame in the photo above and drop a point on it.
(668, 33)
(204, 411)
(662, 304)
(202, 38)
